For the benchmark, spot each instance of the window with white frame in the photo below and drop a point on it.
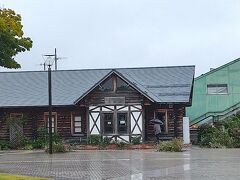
(77, 124)
(54, 122)
(217, 89)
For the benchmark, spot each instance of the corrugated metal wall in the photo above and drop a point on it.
(204, 103)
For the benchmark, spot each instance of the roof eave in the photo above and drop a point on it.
(35, 106)
(217, 69)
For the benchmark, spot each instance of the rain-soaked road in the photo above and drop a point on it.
(193, 164)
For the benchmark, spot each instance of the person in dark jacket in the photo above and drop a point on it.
(157, 132)
(157, 129)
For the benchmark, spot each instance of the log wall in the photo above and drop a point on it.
(36, 118)
(179, 112)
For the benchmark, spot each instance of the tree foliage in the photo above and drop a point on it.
(12, 40)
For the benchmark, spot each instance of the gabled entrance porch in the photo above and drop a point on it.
(117, 122)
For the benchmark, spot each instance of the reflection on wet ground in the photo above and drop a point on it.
(194, 163)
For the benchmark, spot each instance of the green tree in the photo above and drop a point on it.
(12, 40)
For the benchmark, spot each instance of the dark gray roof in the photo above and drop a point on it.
(159, 84)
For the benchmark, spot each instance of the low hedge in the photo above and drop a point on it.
(4, 145)
(136, 139)
(213, 137)
(175, 145)
(223, 134)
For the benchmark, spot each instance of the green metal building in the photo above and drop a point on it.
(216, 94)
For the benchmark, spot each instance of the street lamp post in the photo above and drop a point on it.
(49, 63)
(50, 107)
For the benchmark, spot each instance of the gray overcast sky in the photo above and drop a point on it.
(130, 33)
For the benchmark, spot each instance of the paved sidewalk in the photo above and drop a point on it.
(138, 164)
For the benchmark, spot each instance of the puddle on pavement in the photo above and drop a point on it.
(157, 173)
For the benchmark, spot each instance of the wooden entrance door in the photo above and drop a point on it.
(16, 132)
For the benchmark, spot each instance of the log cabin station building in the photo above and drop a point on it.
(118, 103)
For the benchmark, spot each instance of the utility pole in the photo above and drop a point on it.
(50, 56)
(55, 58)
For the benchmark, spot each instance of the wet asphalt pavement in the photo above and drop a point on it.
(194, 164)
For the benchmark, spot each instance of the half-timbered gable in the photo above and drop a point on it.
(115, 109)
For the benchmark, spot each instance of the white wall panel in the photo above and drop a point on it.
(126, 138)
(94, 116)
